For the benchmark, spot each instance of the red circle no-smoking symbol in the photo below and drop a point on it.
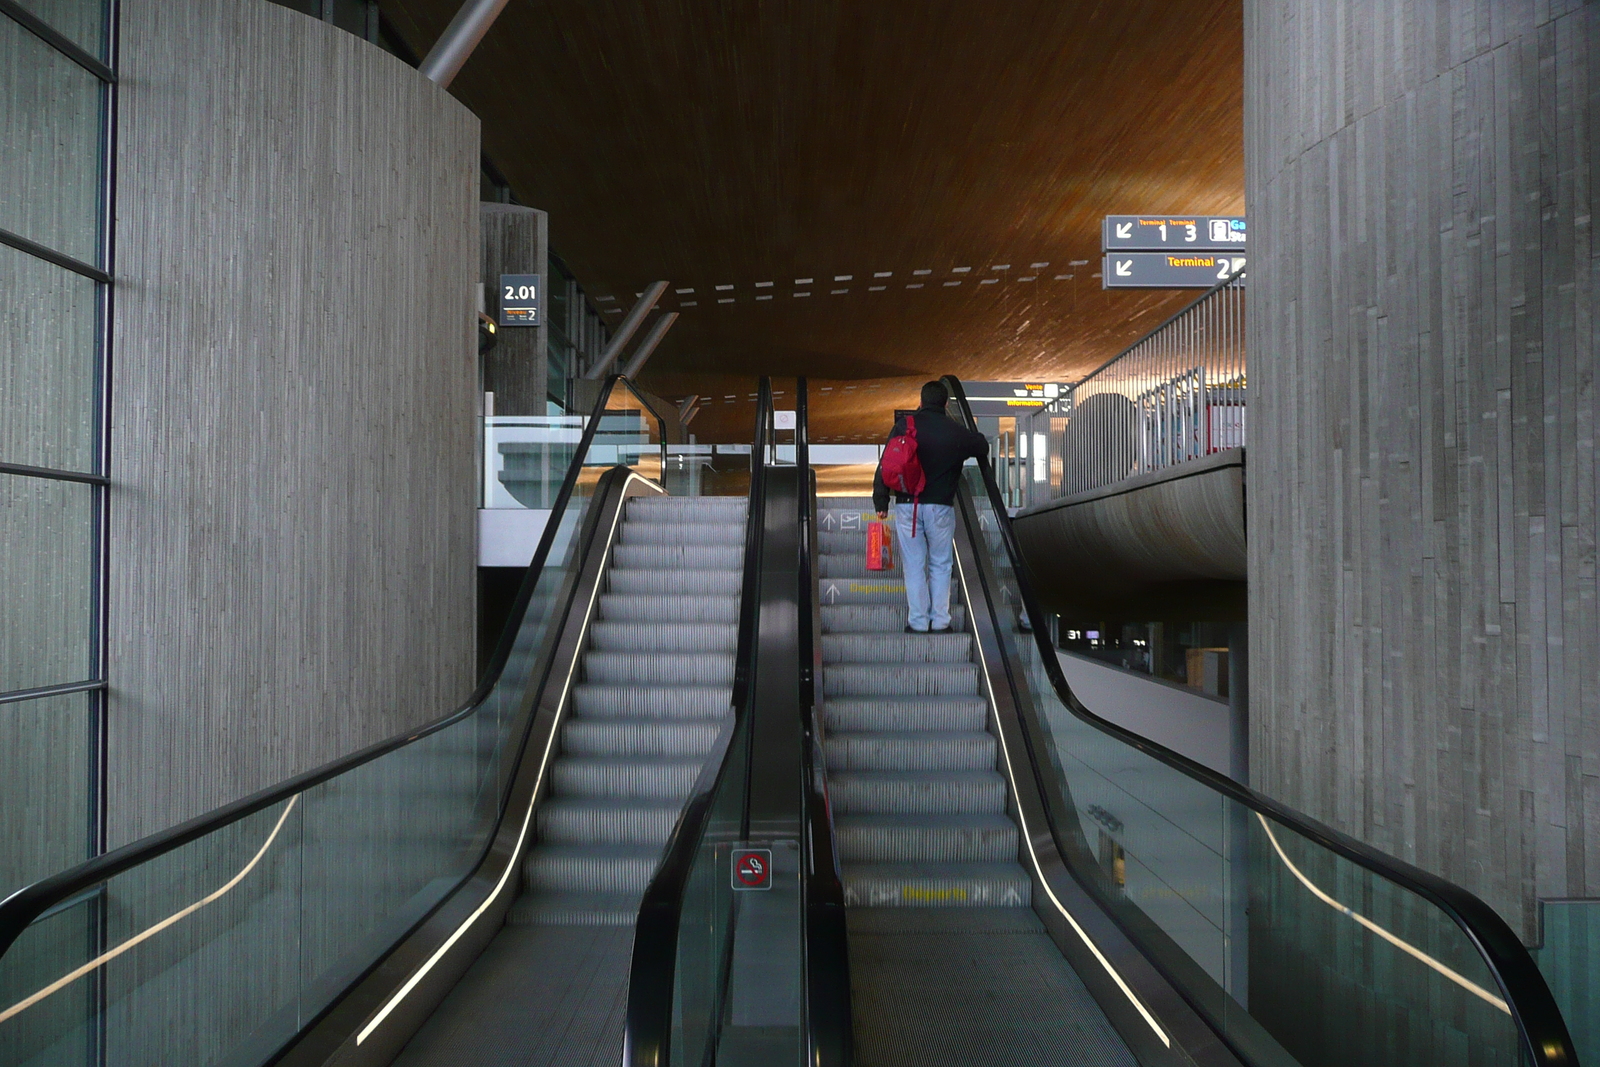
(752, 869)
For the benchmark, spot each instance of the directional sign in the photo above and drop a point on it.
(752, 868)
(519, 299)
(1009, 398)
(1152, 233)
(1168, 270)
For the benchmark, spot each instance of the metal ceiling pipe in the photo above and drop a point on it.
(648, 346)
(625, 331)
(687, 417)
(688, 402)
(451, 51)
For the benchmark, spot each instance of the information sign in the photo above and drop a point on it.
(519, 299)
(1154, 233)
(1168, 270)
(752, 868)
(1009, 398)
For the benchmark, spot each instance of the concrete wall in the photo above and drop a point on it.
(1422, 522)
(294, 397)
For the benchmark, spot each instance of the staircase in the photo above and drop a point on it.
(919, 806)
(656, 689)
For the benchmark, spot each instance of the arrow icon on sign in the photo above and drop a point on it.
(1124, 268)
(833, 592)
(1124, 230)
(827, 520)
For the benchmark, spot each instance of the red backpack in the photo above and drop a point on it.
(902, 470)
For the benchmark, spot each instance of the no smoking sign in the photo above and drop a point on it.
(752, 868)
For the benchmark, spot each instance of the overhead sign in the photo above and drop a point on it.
(519, 299)
(1168, 270)
(1009, 398)
(752, 868)
(1154, 233)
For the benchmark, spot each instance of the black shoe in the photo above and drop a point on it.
(913, 630)
(940, 630)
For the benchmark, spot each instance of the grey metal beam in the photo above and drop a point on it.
(625, 330)
(647, 347)
(451, 51)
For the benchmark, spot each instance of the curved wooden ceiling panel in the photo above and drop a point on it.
(930, 175)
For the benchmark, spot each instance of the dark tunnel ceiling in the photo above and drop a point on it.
(733, 143)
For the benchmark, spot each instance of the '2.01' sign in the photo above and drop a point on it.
(519, 300)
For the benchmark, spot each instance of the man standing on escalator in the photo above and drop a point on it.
(925, 523)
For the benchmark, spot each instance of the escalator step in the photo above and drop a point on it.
(846, 715)
(911, 750)
(689, 668)
(662, 702)
(693, 509)
(896, 648)
(575, 909)
(694, 557)
(609, 636)
(681, 533)
(878, 618)
(630, 737)
(926, 838)
(916, 792)
(703, 583)
(591, 776)
(937, 885)
(852, 566)
(591, 868)
(908, 679)
(668, 608)
(606, 821)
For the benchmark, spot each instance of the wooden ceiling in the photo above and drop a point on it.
(819, 144)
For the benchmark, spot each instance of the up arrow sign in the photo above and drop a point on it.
(1124, 230)
(1124, 268)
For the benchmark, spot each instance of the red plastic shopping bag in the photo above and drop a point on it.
(880, 556)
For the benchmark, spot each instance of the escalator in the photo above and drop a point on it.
(489, 864)
(989, 873)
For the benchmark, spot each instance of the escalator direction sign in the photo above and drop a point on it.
(752, 868)
(519, 299)
(1175, 233)
(1168, 270)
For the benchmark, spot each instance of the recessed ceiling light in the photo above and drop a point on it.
(723, 288)
(604, 299)
(914, 285)
(922, 272)
(836, 292)
(764, 296)
(725, 300)
(1079, 263)
(960, 270)
(876, 288)
(802, 294)
(804, 281)
(1001, 266)
(988, 281)
(689, 303)
(638, 294)
(1038, 266)
(683, 290)
(763, 285)
(1029, 278)
(844, 277)
(883, 274)
(952, 283)
(1096, 274)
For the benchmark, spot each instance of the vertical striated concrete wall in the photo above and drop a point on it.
(1425, 649)
(294, 395)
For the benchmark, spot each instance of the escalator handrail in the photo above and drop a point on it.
(22, 907)
(647, 1029)
(1528, 996)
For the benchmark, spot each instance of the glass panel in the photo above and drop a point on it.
(1288, 947)
(44, 787)
(47, 364)
(526, 456)
(46, 582)
(1570, 962)
(50, 134)
(83, 22)
(290, 903)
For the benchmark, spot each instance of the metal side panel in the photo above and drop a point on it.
(1158, 1024)
(372, 1022)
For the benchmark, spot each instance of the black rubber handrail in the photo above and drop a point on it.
(647, 1031)
(1533, 1008)
(830, 1029)
(22, 907)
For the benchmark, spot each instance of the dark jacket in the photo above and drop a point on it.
(943, 445)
